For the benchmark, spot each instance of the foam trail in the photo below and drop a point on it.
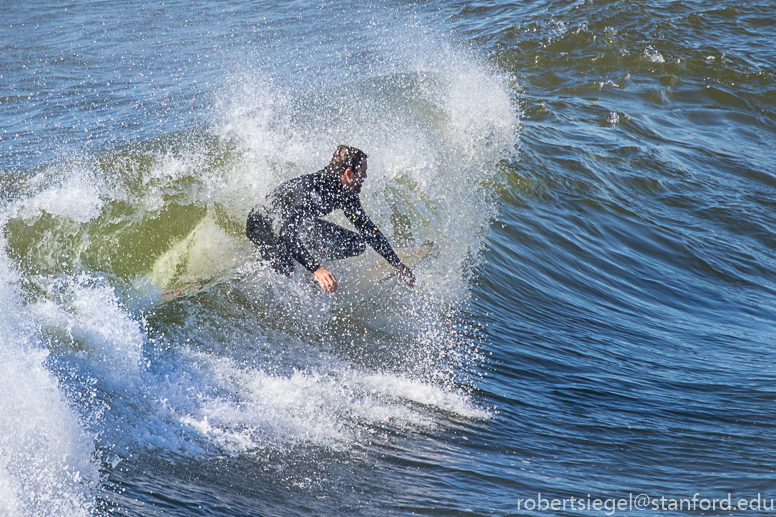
(329, 405)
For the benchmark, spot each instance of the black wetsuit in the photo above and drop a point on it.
(288, 225)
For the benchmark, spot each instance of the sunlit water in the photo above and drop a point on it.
(595, 320)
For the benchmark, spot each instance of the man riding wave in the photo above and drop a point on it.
(288, 226)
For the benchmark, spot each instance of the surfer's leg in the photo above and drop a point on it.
(332, 242)
(259, 232)
(275, 251)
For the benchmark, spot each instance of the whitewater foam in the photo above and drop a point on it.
(75, 196)
(47, 464)
(328, 406)
(84, 315)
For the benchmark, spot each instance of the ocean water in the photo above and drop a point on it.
(593, 334)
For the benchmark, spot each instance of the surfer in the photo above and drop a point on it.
(288, 226)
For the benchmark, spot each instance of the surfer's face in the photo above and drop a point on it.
(354, 179)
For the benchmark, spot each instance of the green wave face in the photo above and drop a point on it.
(132, 213)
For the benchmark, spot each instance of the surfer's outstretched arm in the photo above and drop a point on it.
(375, 238)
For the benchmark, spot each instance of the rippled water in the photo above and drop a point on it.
(596, 322)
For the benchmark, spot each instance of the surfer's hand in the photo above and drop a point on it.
(326, 279)
(405, 275)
